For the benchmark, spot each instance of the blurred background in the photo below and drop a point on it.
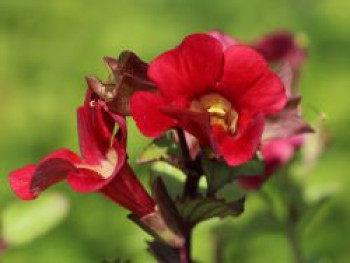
(46, 49)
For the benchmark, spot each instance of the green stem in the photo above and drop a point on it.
(295, 245)
(218, 250)
(290, 223)
(293, 237)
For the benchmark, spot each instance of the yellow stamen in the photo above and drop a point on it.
(217, 111)
(220, 109)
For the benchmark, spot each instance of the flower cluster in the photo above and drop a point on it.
(225, 105)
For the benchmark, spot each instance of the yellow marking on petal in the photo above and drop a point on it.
(233, 119)
(106, 167)
(220, 109)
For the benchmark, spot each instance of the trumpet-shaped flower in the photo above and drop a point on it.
(102, 166)
(221, 96)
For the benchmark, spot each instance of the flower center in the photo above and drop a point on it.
(220, 110)
(106, 167)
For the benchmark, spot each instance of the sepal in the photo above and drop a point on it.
(194, 211)
(155, 225)
(128, 74)
(164, 253)
(165, 222)
(163, 148)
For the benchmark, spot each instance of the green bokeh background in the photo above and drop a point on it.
(46, 49)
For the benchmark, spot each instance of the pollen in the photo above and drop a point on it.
(220, 110)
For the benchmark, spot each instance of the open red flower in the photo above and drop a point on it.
(220, 96)
(102, 166)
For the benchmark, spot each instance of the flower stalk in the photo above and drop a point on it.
(193, 171)
(193, 167)
(294, 241)
(185, 251)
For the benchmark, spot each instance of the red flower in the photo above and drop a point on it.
(102, 166)
(276, 153)
(276, 47)
(279, 47)
(220, 96)
(282, 46)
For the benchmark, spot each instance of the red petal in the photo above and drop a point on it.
(276, 45)
(252, 182)
(145, 111)
(281, 151)
(243, 66)
(267, 95)
(196, 123)
(225, 39)
(248, 82)
(95, 128)
(286, 75)
(188, 70)
(20, 180)
(88, 180)
(30, 181)
(239, 148)
(282, 47)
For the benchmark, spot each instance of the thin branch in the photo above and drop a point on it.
(293, 237)
(193, 171)
(193, 167)
(185, 251)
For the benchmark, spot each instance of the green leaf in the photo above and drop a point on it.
(231, 191)
(163, 148)
(196, 210)
(172, 177)
(218, 173)
(22, 222)
(316, 198)
(253, 167)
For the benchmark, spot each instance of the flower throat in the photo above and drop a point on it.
(220, 110)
